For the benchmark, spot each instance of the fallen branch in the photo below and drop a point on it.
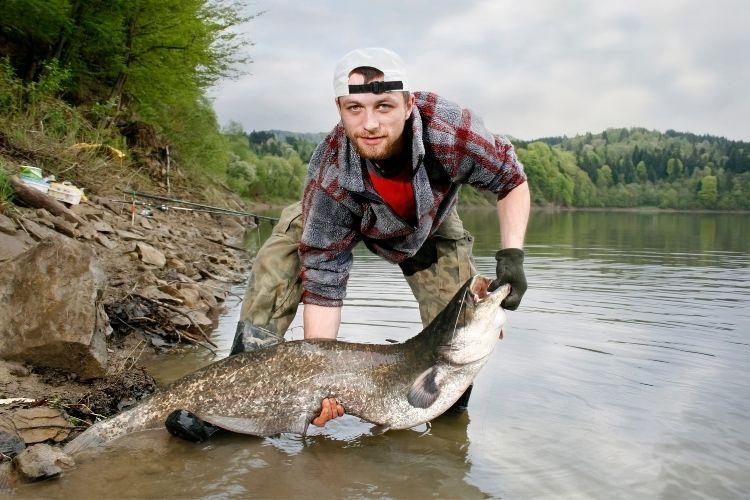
(208, 274)
(174, 309)
(36, 199)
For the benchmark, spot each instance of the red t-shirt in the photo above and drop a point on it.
(397, 192)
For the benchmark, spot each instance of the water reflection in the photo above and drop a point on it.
(427, 461)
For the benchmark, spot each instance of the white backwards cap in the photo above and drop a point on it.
(379, 58)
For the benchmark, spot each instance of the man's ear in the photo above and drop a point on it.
(409, 106)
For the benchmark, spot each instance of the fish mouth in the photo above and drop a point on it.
(480, 289)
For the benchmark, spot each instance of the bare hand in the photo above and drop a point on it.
(329, 409)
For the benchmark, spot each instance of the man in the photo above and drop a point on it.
(387, 175)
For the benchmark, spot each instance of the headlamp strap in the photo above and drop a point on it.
(376, 87)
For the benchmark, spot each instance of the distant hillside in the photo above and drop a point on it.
(638, 167)
(315, 137)
(616, 168)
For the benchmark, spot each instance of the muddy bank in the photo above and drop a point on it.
(154, 278)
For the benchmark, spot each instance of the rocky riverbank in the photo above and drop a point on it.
(85, 292)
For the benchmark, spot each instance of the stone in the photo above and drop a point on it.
(176, 264)
(150, 255)
(231, 226)
(10, 444)
(38, 231)
(208, 294)
(146, 278)
(52, 313)
(42, 461)
(145, 224)
(37, 424)
(129, 235)
(17, 369)
(197, 317)
(153, 293)
(46, 223)
(162, 232)
(215, 236)
(105, 242)
(10, 247)
(7, 225)
(93, 217)
(102, 227)
(43, 214)
(115, 208)
(189, 296)
(65, 227)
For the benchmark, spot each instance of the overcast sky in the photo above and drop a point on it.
(530, 68)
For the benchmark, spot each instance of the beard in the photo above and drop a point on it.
(385, 149)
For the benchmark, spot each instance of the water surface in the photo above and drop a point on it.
(624, 374)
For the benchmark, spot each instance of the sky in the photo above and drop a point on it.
(529, 68)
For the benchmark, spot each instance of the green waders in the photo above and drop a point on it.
(274, 291)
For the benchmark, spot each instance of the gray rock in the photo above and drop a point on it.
(10, 247)
(105, 242)
(197, 323)
(150, 255)
(37, 424)
(65, 227)
(7, 225)
(38, 231)
(10, 444)
(45, 222)
(51, 314)
(153, 293)
(87, 232)
(176, 264)
(17, 369)
(130, 235)
(145, 224)
(103, 227)
(42, 461)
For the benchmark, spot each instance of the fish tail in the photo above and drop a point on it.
(100, 433)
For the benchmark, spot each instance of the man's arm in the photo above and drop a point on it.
(513, 214)
(321, 322)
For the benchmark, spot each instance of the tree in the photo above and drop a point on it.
(604, 176)
(641, 172)
(708, 193)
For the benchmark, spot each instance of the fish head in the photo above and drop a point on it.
(472, 322)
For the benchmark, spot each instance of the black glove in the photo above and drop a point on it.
(510, 270)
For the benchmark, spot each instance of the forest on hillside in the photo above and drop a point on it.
(617, 168)
(637, 167)
(81, 70)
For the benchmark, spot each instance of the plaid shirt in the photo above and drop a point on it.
(450, 147)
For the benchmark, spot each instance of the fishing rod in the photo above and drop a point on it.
(163, 207)
(209, 207)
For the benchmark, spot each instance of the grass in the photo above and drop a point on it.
(40, 129)
(6, 191)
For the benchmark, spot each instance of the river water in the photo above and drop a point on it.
(624, 374)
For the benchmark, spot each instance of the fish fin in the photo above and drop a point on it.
(378, 429)
(260, 427)
(424, 391)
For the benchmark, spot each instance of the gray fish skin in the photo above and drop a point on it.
(280, 389)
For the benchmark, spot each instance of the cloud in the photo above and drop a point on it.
(530, 69)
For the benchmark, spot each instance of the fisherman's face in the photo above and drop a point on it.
(375, 122)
